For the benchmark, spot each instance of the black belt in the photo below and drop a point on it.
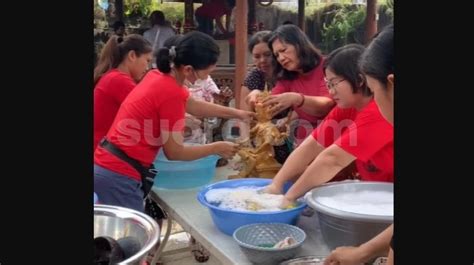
(147, 174)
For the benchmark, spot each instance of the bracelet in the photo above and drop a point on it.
(302, 101)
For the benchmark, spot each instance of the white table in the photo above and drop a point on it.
(183, 207)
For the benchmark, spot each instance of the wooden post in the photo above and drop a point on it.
(240, 48)
(301, 6)
(370, 20)
(188, 16)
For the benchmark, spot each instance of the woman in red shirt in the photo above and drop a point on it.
(300, 80)
(353, 131)
(122, 63)
(152, 117)
(377, 63)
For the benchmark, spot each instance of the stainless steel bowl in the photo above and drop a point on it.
(118, 222)
(306, 260)
(342, 228)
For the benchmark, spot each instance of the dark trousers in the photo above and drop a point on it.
(118, 190)
(205, 25)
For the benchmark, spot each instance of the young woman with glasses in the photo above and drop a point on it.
(354, 130)
(377, 64)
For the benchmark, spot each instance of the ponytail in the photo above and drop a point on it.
(163, 60)
(115, 51)
(107, 57)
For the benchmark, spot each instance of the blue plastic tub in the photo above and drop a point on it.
(227, 221)
(184, 174)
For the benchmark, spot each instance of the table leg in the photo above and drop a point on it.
(157, 254)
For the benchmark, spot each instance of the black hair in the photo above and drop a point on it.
(378, 60)
(310, 57)
(194, 48)
(343, 62)
(259, 37)
(157, 17)
(117, 25)
(115, 51)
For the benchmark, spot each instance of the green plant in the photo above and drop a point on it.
(173, 12)
(344, 24)
(389, 8)
(137, 8)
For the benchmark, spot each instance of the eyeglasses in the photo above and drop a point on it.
(331, 85)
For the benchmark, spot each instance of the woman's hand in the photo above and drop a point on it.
(245, 115)
(272, 189)
(226, 92)
(251, 98)
(287, 204)
(345, 256)
(225, 149)
(282, 101)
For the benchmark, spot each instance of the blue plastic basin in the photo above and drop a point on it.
(184, 174)
(228, 221)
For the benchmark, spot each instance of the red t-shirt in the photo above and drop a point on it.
(157, 103)
(309, 84)
(214, 9)
(109, 93)
(365, 135)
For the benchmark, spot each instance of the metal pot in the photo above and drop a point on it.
(119, 223)
(342, 228)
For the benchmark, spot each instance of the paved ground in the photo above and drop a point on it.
(178, 243)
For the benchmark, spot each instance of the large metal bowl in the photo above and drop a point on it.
(118, 222)
(305, 260)
(342, 228)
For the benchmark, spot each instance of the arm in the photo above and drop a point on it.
(220, 26)
(317, 106)
(390, 257)
(228, 20)
(293, 116)
(313, 105)
(251, 98)
(172, 115)
(244, 92)
(332, 160)
(205, 109)
(283, 124)
(376, 247)
(175, 150)
(296, 164)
